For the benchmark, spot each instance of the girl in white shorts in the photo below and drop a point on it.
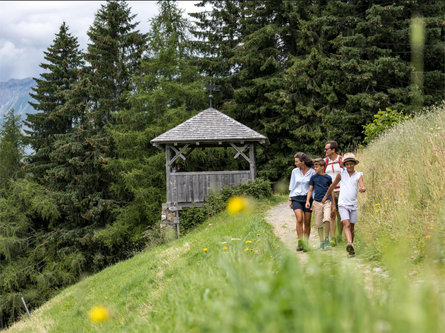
(348, 213)
(350, 181)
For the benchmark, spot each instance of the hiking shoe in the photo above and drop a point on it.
(333, 242)
(350, 249)
(300, 245)
(322, 245)
(327, 243)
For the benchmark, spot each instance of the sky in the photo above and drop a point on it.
(28, 28)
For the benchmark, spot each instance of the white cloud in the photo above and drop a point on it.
(9, 50)
(29, 28)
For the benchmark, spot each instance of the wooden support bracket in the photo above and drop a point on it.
(178, 154)
(240, 151)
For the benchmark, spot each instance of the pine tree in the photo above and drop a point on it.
(61, 72)
(11, 149)
(272, 29)
(169, 90)
(113, 56)
(255, 41)
(79, 179)
(217, 32)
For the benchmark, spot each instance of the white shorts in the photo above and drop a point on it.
(348, 213)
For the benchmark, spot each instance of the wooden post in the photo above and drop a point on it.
(252, 161)
(167, 171)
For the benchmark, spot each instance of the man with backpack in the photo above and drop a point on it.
(333, 166)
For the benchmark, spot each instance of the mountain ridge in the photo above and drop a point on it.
(14, 93)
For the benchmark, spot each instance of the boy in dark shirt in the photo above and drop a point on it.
(319, 185)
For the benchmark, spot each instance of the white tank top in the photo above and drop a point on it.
(348, 188)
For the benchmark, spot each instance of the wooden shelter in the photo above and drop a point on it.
(209, 128)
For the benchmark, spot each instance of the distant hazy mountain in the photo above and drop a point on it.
(15, 94)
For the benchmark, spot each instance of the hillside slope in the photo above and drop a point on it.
(232, 274)
(404, 171)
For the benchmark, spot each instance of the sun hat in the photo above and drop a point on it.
(349, 157)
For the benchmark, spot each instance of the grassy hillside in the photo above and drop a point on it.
(232, 274)
(245, 281)
(404, 171)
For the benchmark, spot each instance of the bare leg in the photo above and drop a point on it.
(326, 228)
(320, 234)
(339, 226)
(307, 225)
(333, 223)
(348, 234)
(332, 227)
(299, 225)
(352, 231)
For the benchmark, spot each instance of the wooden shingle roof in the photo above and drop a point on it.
(209, 126)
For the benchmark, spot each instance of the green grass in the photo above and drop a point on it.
(256, 285)
(404, 172)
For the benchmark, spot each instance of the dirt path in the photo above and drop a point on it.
(282, 219)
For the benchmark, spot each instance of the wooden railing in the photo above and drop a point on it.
(193, 187)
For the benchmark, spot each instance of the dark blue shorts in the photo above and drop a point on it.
(299, 202)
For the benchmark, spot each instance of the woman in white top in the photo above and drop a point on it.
(298, 189)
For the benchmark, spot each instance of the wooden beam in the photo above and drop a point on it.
(191, 148)
(178, 154)
(252, 161)
(240, 152)
(158, 146)
(167, 171)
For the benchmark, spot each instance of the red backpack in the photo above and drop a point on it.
(340, 159)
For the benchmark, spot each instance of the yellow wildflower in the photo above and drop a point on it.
(225, 248)
(248, 241)
(205, 249)
(99, 314)
(428, 236)
(246, 249)
(237, 205)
